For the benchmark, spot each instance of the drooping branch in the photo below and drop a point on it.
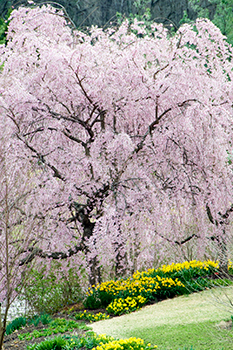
(210, 217)
(33, 252)
(41, 158)
(180, 243)
(82, 214)
(223, 217)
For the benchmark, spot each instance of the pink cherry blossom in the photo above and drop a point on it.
(128, 137)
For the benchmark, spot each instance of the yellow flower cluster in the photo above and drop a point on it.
(103, 338)
(125, 344)
(153, 284)
(205, 265)
(136, 285)
(90, 316)
(113, 287)
(121, 306)
(189, 265)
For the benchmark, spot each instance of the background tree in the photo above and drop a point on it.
(17, 220)
(222, 16)
(101, 12)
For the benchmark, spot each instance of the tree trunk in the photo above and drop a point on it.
(1, 329)
(95, 272)
(3, 323)
(221, 225)
(223, 256)
(120, 254)
(92, 263)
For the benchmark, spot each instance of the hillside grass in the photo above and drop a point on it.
(179, 323)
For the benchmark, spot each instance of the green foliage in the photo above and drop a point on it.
(230, 161)
(57, 343)
(48, 294)
(223, 16)
(224, 282)
(36, 319)
(70, 342)
(92, 340)
(140, 11)
(93, 302)
(142, 14)
(197, 285)
(185, 18)
(20, 322)
(59, 325)
(17, 323)
(3, 27)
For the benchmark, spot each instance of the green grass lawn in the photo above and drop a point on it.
(178, 323)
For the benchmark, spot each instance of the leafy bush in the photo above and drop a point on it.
(49, 293)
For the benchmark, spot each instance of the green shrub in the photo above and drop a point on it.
(49, 293)
(93, 302)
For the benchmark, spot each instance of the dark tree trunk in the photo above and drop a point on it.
(221, 223)
(93, 263)
(120, 254)
(3, 323)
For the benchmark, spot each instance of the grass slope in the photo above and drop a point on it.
(178, 323)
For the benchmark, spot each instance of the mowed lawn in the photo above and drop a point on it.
(195, 320)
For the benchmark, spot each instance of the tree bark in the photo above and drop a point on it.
(3, 323)
(221, 224)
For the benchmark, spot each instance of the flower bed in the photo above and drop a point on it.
(123, 295)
